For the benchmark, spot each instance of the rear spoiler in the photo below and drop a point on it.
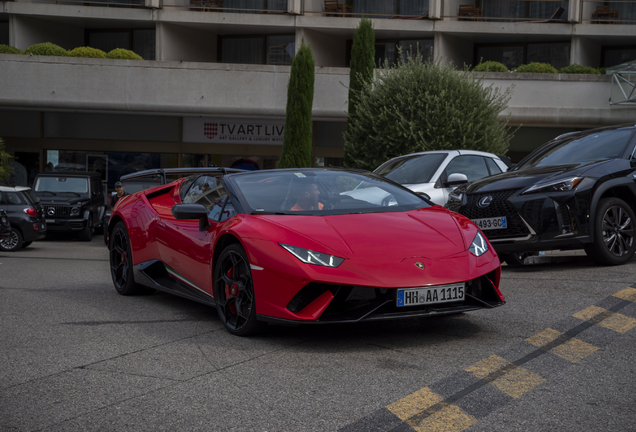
(164, 172)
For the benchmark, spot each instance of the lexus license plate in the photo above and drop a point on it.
(491, 223)
(430, 295)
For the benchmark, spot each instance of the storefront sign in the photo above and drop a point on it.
(232, 131)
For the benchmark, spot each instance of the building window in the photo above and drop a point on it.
(514, 55)
(255, 6)
(626, 11)
(274, 50)
(387, 50)
(141, 41)
(4, 31)
(390, 8)
(613, 56)
(518, 10)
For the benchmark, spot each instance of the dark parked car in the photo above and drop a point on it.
(5, 226)
(576, 191)
(25, 217)
(72, 201)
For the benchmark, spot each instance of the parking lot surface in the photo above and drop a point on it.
(76, 356)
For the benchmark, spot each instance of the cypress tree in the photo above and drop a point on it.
(300, 97)
(361, 69)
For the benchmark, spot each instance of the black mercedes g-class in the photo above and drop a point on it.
(72, 201)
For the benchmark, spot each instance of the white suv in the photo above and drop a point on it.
(437, 173)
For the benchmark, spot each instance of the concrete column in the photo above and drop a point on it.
(175, 42)
(453, 49)
(585, 52)
(574, 11)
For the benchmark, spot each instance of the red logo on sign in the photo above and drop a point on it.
(210, 130)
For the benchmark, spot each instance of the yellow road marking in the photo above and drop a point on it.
(485, 367)
(449, 419)
(627, 294)
(414, 403)
(618, 322)
(518, 382)
(574, 350)
(544, 337)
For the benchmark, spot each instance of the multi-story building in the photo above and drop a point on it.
(213, 82)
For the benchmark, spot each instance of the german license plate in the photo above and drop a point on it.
(50, 221)
(491, 223)
(430, 295)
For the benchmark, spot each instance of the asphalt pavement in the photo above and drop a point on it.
(76, 356)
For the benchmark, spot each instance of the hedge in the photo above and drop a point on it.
(8, 49)
(490, 66)
(47, 49)
(87, 52)
(578, 69)
(537, 68)
(123, 54)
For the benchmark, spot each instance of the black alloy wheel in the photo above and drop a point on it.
(87, 233)
(12, 243)
(234, 292)
(613, 233)
(121, 268)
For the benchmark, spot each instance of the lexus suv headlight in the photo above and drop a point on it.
(479, 245)
(312, 257)
(555, 186)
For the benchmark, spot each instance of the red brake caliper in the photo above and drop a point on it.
(231, 291)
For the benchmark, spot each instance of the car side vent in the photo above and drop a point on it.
(307, 295)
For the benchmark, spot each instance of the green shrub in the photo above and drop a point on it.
(123, 54)
(8, 49)
(602, 71)
(490, 66)
(417, 106)
(87, 52)
(578, 69)
(47, 49)
(537, 68)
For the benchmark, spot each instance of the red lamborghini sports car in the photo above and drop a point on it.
(300, 246)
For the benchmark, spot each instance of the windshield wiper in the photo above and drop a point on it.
(268, 213)
(72, 193)
(52, 193)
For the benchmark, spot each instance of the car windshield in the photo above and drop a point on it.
(61, 184)
(411, 169)
(322, 192)
(572, 151)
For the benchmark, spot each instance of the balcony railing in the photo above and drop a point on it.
(231, 6)
(382, 9)
(613, 12)
(538, 11)
(99, 3)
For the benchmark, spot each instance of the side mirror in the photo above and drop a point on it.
(456, 179)
(190, 212)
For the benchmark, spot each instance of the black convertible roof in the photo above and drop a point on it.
(163, 172)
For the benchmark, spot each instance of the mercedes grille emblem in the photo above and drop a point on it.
(485, 201)
(50, 211)
(419, 265)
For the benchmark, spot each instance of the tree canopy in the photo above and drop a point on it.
(418, 105)
(6, 166)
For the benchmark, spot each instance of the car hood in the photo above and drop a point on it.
(527, 177)
(46, 199)
(430, 233)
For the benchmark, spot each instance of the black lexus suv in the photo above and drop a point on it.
(576, 191)
(72, 201)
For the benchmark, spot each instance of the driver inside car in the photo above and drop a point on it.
(307, 197)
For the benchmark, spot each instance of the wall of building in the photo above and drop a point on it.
(180, 43)
(26, 31)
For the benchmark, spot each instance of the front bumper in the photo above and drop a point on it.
(58, 225)
(535, 222)
(346, 304)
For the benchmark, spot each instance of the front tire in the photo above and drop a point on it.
(87, 233)
(12, 243)
(234, 292)
(613, 233)
(121, 267)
